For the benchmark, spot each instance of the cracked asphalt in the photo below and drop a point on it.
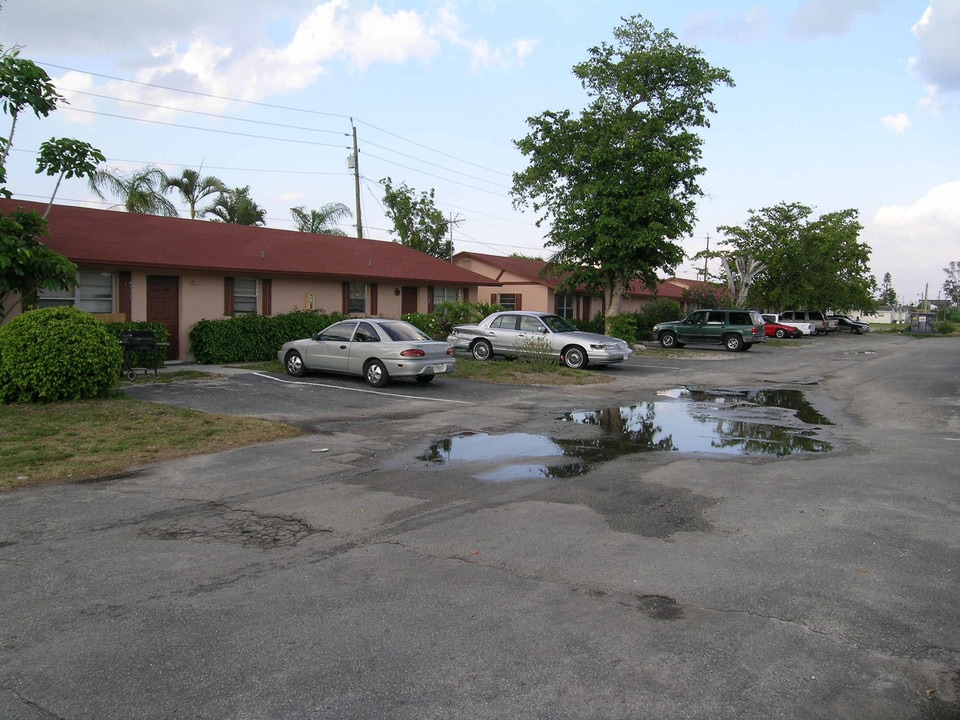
(342, 575)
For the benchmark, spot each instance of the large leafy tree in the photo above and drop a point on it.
(193, 188)
(808, 262)
(618, 183)
(323, 221)
(236, 207)
(416, 220)
(26, 264)
(140, 191)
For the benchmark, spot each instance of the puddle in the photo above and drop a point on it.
(715, 421)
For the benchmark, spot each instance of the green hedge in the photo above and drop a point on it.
(56, 354)
(254, 338)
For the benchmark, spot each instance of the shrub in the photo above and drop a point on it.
(624, 327)
(57, 354)
(429, 323)
(944, 327)
(655, 311)
(254, 338)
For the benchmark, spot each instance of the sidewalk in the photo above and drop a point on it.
(233, 369)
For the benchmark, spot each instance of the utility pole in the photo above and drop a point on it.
(354, 162)
(451, 222)
(706, 259)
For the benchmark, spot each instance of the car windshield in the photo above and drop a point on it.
(402, 331)
(558, 324)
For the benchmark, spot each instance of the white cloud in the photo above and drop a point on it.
(915, 242)
(938, 61)
(830, 17)
(251, 50)
(898, 123)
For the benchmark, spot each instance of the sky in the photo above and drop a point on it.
(837, 104)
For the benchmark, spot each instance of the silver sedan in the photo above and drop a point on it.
(524, 332)
(376, 350)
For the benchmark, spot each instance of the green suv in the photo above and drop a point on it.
(734, 329)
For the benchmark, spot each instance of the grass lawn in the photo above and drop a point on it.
(88, 439)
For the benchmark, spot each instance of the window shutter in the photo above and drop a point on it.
(346, 298)
(228, 296)
(429, 298)
(266, 302)
(374, 305)
(519, 305)
(465, 294)
(125, 299)
(493, 298)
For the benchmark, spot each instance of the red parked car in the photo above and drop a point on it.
(777, 330)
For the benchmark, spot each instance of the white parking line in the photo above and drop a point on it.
(360, 390)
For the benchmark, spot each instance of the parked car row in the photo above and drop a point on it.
(381, 349)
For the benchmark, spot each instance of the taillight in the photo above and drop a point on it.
(449, 351)
(414, 352)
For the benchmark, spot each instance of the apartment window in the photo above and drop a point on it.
(565, 306)
(358, 298)
(244, 296)
(442, 295)
(93, 293)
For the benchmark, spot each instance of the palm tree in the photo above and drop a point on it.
(193, 188)
(323, 221)
(237, 208)
(141, 191)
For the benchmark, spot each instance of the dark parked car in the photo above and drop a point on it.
(848, 324)
(734, 329)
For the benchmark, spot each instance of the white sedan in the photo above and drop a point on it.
(374, 349)
(519, 332)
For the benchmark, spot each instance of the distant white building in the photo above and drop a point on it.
(889, 315)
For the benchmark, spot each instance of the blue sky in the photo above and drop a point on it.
(838, 104)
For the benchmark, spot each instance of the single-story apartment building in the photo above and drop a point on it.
(521, 284)
(177, 271)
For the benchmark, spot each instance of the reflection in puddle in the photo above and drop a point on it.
(732, 422)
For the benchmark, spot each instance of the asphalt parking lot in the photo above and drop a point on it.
(680, 542)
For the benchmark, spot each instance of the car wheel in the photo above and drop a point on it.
(668, 340)
(574, 357)
(375, 374)
(294, 364)
(781, 334)
(481, 350)
(733, 343)
(424, 379)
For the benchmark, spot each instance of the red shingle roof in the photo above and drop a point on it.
(127, 240)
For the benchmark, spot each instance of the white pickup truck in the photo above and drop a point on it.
(806, 328)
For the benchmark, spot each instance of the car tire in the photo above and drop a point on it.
(575, 357)
(294, 364)
(424, 379)
(733, 343)
(481, 350)
(669, 340)
(375, 374)
(781, 334)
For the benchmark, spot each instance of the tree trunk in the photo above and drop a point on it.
(615, 290)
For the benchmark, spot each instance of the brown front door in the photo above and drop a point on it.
(408, 303)
(163, 306)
